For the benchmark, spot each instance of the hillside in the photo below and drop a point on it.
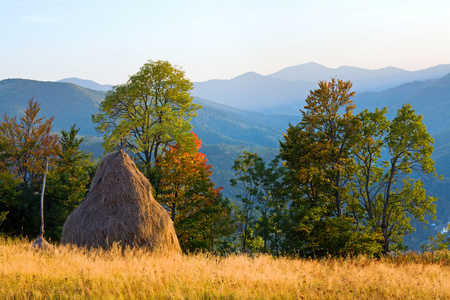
(221, 124)
(430, 98)
(68, 102)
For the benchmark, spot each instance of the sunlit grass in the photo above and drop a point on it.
(78, 274)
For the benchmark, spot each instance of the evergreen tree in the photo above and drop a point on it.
(68, 182)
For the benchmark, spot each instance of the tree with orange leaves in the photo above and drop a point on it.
(27, 144)
(200, 214)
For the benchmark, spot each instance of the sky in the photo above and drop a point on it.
(107, 41)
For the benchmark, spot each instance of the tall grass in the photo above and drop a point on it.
(67, 273)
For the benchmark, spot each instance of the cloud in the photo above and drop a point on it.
(37, 19)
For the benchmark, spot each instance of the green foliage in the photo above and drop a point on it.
(344, 197)
(440, 241)
(259, 192)
(67, 182)
(25, 147)
(151, 111)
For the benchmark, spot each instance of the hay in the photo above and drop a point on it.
(120, 209)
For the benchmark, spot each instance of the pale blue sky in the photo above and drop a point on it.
(106, 41)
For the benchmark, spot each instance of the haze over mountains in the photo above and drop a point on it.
(89, 84)
(232, 109)
(290, 86)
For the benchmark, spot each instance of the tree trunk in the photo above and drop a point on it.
(338, 195)
(173, 211)
(384, 222)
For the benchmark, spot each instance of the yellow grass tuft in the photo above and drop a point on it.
(73, 273)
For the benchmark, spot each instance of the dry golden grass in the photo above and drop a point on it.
(67, 273)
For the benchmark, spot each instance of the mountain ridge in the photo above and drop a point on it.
(283, 92)
(89, 84)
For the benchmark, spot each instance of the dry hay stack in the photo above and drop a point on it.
(120, 209)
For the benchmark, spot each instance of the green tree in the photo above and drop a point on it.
(151, 111)
(353, 179)
(247, 181)
(259, 188)
(440, 241)
(67, 182)
(317, 152)
(387, 193)
(410, 149)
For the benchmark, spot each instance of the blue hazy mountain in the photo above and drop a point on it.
(284, 92)
(252, 91)
(72, 104)
(430, 98)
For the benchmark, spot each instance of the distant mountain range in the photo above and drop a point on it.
(73, 104)
(284, 92)
(430, 98)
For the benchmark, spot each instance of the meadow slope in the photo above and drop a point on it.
(67, 273)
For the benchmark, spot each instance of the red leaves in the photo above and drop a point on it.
(185, 178)
(27, 144)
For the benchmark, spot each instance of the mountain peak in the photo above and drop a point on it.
(248, 75)
(89, 84)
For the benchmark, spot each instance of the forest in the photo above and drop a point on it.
(342, 183)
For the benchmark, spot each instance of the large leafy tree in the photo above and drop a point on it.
(353, 179)
(151, 111)
(394, 194)
(201, 216)
(317, 151)
(387, 191)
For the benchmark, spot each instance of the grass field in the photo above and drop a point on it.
(67, 273)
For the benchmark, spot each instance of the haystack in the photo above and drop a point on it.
(120, 209)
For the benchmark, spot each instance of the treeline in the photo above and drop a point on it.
(25, 145)
(347, 183)
(342, 183)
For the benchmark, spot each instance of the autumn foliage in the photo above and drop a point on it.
(194, 203)
(25, 145)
